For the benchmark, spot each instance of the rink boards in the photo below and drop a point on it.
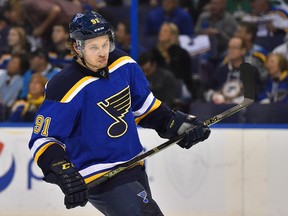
(238, 171)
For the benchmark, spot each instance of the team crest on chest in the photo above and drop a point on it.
(116, 107)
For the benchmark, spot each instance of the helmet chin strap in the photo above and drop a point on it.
(83, 60)
(103, 72)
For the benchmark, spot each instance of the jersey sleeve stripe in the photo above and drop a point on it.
(41, 142)
(77, 88)
(120, 62)
(155, 105)
(147, 103)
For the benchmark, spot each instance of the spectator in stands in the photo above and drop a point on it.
(17, 43)
(238, 8)
(168, 54)
(39, 63)
(282, 48)
(152, 3)
(162, 82)
(4, 29)
(276, 89)
(270, 20)
(256, 54)
(169, 11)
(226, 86)
(219, 25)
(13, 13)
(24, 110)
(114, 2)
(58, 53)
(41, 15)
(123, 38)
(194, 7)
(17, 40)
(93, 4)
(11, 82)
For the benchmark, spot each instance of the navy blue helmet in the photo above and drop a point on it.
(88, 25)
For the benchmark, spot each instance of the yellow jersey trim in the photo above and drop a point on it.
(156, 104)
(98, 175)
(118, 61)
(74, 88)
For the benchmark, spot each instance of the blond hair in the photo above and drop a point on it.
(174, 31)
(282, 61)
(38, 76)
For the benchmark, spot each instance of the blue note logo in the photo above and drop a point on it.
(117, 106)
(143, 195)
(7, 177)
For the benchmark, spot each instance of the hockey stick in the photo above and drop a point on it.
(247, 77)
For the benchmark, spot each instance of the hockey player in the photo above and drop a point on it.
(88, 123)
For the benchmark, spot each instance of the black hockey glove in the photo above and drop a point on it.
(183, 123)
(70, 181)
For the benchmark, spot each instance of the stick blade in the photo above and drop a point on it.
(247, 76)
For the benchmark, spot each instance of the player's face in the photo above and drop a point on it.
(96, 52)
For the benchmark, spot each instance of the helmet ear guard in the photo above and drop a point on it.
(89, 25)
(79, 44)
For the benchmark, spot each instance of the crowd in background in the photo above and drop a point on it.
(33, 37)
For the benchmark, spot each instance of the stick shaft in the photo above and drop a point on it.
(246, 102)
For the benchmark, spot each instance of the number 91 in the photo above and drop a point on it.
(42, 124)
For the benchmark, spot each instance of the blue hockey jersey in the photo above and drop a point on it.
(94, 119)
